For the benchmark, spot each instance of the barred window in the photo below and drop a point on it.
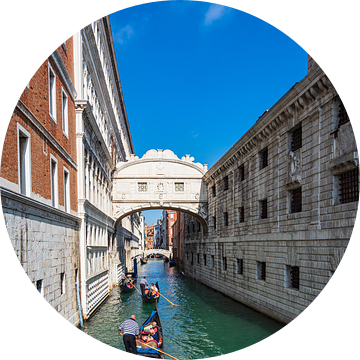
(296, 139)
(179, 186)
(294, 277)
(263, 158)
(198, 258)
(241, 173)
(263, 209)
(214, 221)
(296, 200)
(213, 188)
(342, 115)
(241, 214)
(349, 186)
(240, 266)
(226, 219)
(226, 183)
(142, 187)
(204, 259)
(224, 264)
(261, 270)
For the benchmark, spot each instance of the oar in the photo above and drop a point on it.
(131, 282)
(160, 351)
(168, 299)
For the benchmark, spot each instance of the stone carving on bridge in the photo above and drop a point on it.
(160, 180)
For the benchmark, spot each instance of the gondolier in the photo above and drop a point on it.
(122, 277)
(129, 329)
(143, 283)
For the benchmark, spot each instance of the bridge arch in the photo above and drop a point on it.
(160, 180)
(149, 252)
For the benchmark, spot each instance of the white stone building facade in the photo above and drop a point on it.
(103, 142)
(282, 204)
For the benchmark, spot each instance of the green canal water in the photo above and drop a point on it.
(207, 323)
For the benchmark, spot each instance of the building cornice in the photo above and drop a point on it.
(56, 57)
(299, 98)
(46, 209)
(109, 38)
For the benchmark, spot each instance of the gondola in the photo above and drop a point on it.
(144, 350)
(127, 287)
(149, 299)
(143, 261)
(172, 263)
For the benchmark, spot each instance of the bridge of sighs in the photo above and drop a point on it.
(160, 180)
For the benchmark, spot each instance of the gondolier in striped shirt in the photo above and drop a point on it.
(129, 329)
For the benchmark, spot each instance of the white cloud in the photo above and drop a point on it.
(124, 34)
(215, 12)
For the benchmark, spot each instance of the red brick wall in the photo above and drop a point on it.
(36, 99)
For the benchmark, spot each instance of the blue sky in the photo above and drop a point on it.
(196, 76)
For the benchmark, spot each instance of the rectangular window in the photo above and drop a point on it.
(65, 114)
(62, 283)
(296, 200)
(192, 258)
(24, 161)
(342, 115)
(198, 258)
(66, 190)
(212, 262)
(179, 187)
(296, 138)
(213, 191)
(214, 222)
(261, 270)
(226, 183)
(52, 93)
(142, 187)
(292, 277)
(349, 186)
(226, 219)
(263, 209)
(204, 259)
(54, 182)
(224, 263)
(241, 173)
(40, 287)
(263, 158)
(239, 266)
(241, 211)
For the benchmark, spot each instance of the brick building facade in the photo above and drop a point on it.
(39, 185)
(67, 134)
(282, 204)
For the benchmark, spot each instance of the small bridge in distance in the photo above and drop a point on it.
(163, 252)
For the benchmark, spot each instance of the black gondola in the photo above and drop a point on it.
(144, 350)
(172, 263)
(149, 299)
(143, 261)
(127, 287)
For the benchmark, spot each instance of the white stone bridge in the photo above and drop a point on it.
(163, 252)
(160, 180)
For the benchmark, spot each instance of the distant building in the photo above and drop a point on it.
(169, 217)
(178, 232)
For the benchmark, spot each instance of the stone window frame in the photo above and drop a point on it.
(261, 270)
(241, 214)
(294, 135)
(52, 92)
(65, 113)
(292, 277)
(40, 286)
(224, 263)
(213, 191)
(263, 209)
(54, 181)
(212, 262)
(67, 199)
(294, 206)
(24, 160)
(62, 283)
(226, 182)
(240, 266)
(204, 259)
(241, 173)
(226, 218)
(214, 222)
(264, 158)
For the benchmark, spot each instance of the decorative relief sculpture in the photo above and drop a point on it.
(294, 163)
(294, 174)
(160, 187)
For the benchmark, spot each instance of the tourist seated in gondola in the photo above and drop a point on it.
(154, 288)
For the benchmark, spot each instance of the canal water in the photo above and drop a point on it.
(207, 323)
